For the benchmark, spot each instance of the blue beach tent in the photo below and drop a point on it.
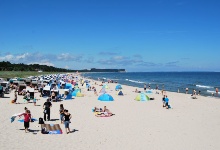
(75, 92)
(105, 97)
(118, 87)
(68, 86)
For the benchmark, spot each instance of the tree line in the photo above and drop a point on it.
(7, 66)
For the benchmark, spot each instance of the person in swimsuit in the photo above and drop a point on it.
(187, 90)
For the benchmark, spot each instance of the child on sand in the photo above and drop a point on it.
(27, 119)
(34, 101)
(16, 97)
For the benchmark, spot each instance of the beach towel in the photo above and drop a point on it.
(14, 116)
(51, 129)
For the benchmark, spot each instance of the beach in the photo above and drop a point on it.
(190, 124)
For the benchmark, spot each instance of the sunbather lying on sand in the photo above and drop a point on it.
(99, 112)
(136, 91)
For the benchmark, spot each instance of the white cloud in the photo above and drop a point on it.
(22, 56)
(69, 57)
(7, 58)
(118, 57)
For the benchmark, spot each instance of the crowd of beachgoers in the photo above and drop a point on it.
(51, 104)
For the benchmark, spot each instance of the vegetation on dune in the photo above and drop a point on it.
(7, 66)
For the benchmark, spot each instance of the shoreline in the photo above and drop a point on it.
(189, 93)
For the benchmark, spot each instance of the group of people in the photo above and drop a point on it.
(165, 101)
(65, 116)
(99, 112)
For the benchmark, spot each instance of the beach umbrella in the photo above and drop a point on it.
(68, 86)
(105, 97)
(118, 87)
(142, 97)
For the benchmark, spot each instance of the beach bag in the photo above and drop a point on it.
(41, 121)
(44, 131)
(45, 111)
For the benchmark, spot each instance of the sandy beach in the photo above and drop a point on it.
(191, 124)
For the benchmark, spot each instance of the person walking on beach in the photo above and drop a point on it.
(66, 118)
(47, 105)
(95, 92)
(61, 112)
(199, 92)
(27, 119)
(187, 90)
(216, 90)
(16, 97)
(163, 100)
(157, 87)
(145, 87)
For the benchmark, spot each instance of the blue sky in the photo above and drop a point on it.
(138, 35)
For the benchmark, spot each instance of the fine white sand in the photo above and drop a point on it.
(192, 124)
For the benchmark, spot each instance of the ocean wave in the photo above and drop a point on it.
(203, 86)
(113, 79)
(134, 81)
(209, 91)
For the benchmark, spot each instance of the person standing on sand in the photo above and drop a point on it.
(27, 119)
(47, 105)
(163, 100)
(216, 90)
(16, 97)
(187, 90)
(61, 112)
(66, 119)
(157, 87)
(145, 86)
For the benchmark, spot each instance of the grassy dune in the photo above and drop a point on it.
(21, 74)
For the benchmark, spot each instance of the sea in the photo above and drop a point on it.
(205, 82)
